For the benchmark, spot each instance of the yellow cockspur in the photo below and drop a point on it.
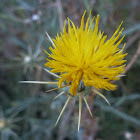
(85, 55)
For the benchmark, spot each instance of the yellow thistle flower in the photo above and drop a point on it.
(82, 54)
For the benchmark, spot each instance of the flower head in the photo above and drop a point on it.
(84, 54)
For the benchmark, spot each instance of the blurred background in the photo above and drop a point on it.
(27, 112)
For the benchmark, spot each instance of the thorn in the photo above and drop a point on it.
(56, 88)
(80, 109)
(63, 109)
(120, 75)
(50, 39)
(37, 82)
(52, 73)
(52, 89)
(101, 95)
(59, 95)
(88, 107)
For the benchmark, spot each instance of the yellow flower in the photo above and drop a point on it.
(84, 54)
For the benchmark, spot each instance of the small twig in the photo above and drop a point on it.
(131, 41)
(133, 59)
(60, 13)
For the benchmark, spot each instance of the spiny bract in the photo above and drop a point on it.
(83, 53)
